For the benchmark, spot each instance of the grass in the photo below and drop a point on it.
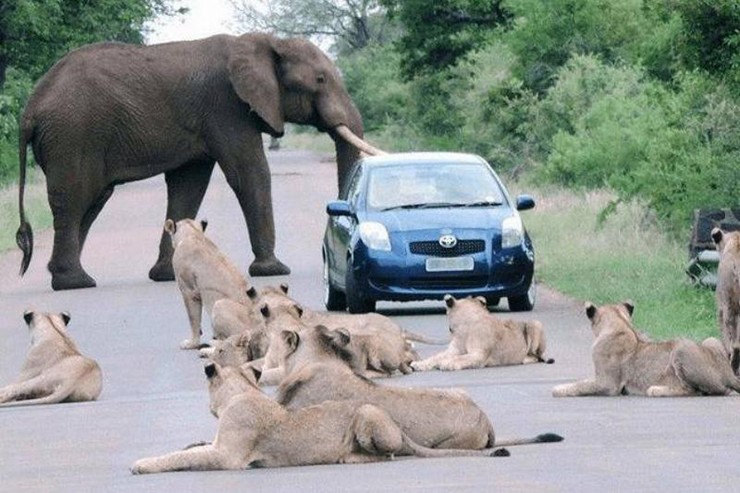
(625, 257)
(36, 207)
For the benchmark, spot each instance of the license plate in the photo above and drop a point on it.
(445, 264)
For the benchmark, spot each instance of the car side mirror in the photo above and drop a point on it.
(524, 202)
(339, 208)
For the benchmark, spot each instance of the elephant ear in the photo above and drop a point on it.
(252, 70)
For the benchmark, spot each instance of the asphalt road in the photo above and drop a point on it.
(154, 397)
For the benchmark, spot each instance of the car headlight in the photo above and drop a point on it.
(512, 232)
(375, 236)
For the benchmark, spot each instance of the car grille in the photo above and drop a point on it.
(434, 249)
(447, 282)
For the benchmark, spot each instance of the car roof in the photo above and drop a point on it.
(423, 157)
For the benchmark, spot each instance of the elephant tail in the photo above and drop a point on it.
(24, 235)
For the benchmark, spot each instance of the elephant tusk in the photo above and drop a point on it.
(347, 134)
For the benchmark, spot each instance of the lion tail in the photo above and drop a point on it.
(542, 438)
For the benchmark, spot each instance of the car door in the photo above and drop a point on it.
(341, 228)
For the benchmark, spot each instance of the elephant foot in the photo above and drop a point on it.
(71, 280)
(271, 267)
(162, 272)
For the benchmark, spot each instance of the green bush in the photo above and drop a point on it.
(12, 98)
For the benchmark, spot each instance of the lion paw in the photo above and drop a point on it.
(190, 344)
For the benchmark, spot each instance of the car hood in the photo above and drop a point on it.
(400, 220)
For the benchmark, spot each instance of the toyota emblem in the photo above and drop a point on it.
(447, 241)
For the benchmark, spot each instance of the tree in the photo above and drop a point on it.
(35, 33)
(352, 24)
(439, 34)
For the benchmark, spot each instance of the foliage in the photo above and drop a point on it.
(16, 91)
(35, 33)
(440, 34)
(370, 75)
(352, 25)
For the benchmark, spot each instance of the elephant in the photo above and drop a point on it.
(110, 113)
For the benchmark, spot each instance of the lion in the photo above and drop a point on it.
(368, 353)
(55, 370)
(203, 274)
(255, 431)
(728, 292)
(435, 418)
(627, 363)
(480, 339)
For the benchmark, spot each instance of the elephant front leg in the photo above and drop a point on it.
(186, 187)
(251, 182)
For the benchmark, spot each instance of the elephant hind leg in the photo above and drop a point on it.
(92, 214)
(186, 187)
(71, 208)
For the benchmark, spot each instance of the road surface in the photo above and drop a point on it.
(154, 397)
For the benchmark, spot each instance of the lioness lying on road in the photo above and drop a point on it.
(728, 292)
(256, 431)
(481, 339)
(54, 370)
(370, 352)
(626, 363)
(203, 274)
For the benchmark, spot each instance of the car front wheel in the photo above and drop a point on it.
(525, 302)
(334, 300)
(356, 303)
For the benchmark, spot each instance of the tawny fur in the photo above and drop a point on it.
(203, 274)
(627, 363)
(480, 339)
(256, 431)
(436, 418)
(728, 292)
(55, 370)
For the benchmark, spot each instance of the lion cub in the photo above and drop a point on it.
(255, 431)
(203, 274)
(55, 370)
(626, 363)
(728, 292)
(480, 339)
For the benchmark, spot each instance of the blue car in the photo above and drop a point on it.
(416, 226)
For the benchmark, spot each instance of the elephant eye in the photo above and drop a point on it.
(320, 79)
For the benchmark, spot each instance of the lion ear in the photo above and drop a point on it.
(449, 300)
(252, 293)
(717, 235)
(291, 338)
(284, 287)
(170, 226)
(265, 310)
(252, 67)
(66, 317)
(336, 338)
(481, 300)
(299, 309)
(629, 305)
(203, 225)
(28, 316)
(590, 310)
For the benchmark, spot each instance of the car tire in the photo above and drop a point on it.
(356, 303)
(492, 301)
(525, 302)
(334, 300)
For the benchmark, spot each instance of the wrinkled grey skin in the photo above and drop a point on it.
(111, 113)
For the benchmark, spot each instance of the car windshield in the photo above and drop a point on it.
(432, 185)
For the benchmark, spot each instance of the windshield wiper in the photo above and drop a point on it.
(425, 205)
(483, 203)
